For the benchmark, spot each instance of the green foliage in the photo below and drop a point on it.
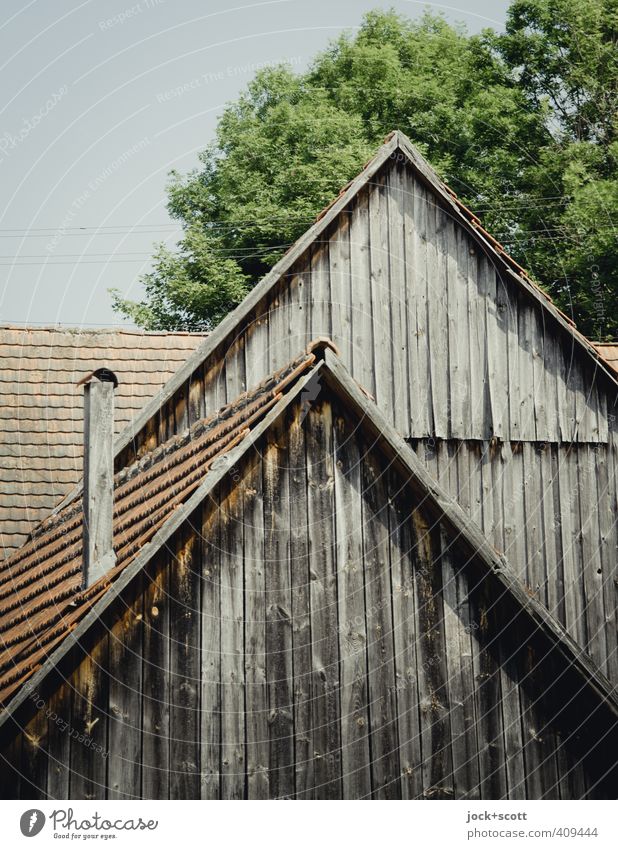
(522, 125)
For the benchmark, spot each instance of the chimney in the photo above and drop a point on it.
(98, 493)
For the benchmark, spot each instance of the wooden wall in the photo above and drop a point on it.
(312, 632)
(552, 510)
(451, 351)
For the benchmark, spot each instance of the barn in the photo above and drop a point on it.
(363, 541)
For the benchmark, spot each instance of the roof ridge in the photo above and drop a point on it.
(127, 331)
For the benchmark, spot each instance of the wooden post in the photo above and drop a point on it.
(98, 495)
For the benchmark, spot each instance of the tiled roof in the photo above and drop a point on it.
(41, 422)
(41, 600)
(609, 352)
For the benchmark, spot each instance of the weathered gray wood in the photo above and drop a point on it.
(531, 492)
(88, 772)
(511, 714)
(398, 299)
(352, 630)
(540, 392)
(99, 556)
(392, 445)
(437, 248)
(301, 607)
(459, 385)
(590, 539)
(58, 745)
(255, 632)
(433, 696)
(340, 293)
(124, 733)
(607, 547)
(537, 738)
(324, 642)
(278, 614)
(380, 290)
(155, 687)
(184, 669)
(458, 627)
(360, 275)
(476, 365)
(402, 556)
(319, 291)
(232, 646)
(34, 757)
(386, 774)
(210, 654)
(525, 376)
(235, 372)
(490, 731)
(421, 410)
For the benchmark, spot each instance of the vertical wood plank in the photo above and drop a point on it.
(434, 707)
(417, 267)
(458, 627)
(58, 746)
(386, 773)
(255, 632)
(88, 778)
(210, 652)
(405, 635)
(184, 666)
(438, 332)
(301, 608)
(340, 295)
(232, 645)
(324, 643)
(360, 272)
(320, 316)
(380, 291)
(34, 755)
(398, 299)
(355, 753)
(155, 686)
(476, 367)
(125, 703)
(278, 600)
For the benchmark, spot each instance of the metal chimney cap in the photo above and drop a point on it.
(105, 375)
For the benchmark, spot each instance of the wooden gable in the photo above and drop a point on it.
(323, 623)
(429, 313)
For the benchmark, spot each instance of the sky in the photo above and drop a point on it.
(101, 99)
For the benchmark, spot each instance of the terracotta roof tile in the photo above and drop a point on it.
(609, 352)
(41, 408)
(41, 599)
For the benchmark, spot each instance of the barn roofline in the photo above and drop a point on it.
(395, 144)
(494, 565)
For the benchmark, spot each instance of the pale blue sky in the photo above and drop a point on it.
(100, 99)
